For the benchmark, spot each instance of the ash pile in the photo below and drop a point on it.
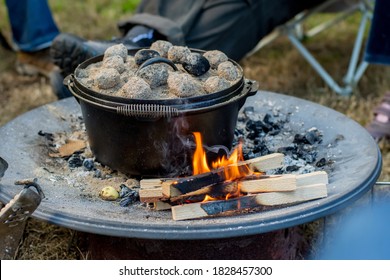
(273, 133)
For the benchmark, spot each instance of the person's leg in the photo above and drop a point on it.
(378, 52)
(232, 26)
(235, 27)
(32, 24)
(378, 44)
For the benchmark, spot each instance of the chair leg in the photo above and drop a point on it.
(355, 71)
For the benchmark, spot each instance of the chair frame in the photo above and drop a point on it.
(293, 29)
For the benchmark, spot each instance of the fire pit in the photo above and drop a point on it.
(357, 165)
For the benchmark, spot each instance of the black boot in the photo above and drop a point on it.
(68, 51)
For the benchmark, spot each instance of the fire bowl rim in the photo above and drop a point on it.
(215, 227)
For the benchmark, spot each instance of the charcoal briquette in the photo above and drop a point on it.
(321, 162)
(292, 168)
(196, 64)
(75, 161)
(143, 55)
(88, 164)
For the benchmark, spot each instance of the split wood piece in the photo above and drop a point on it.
(196, 182)
(153, 183)
(267, 162)
(280, 183)
(151, 194)
(150, 189)
(160, 205)
(204, 209)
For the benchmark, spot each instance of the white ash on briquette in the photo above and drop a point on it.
(111, 75)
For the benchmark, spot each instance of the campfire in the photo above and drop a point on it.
(230, 184)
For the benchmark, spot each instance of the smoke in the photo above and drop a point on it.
(177, 149)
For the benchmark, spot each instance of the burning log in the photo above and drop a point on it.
(263, 183)
(217, 190)
(205, 209)
(245, 168)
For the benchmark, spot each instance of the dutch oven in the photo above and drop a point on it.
(154, 138)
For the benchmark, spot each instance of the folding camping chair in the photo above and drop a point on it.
(295, 33)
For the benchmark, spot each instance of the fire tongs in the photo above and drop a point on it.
(15, 213)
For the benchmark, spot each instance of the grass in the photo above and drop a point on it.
(277, 67)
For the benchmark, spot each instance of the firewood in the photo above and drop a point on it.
(286, 182)
(160, 205)
(153, 183)
(204, 209)
(218, 190)
(272, 184)
(192, 183)
(150, 194)
(267, 162)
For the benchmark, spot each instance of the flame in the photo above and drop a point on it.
(231, 167)
(199, 161)
(209, 198)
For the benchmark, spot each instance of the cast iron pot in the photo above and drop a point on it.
(154, 138)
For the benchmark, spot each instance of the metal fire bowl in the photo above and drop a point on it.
(357, 166)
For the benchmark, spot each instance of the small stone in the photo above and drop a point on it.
(215, 84)
(196, 64)
(88, 164)
(215, 58)
(179, 54)
(115, 62)
(143, 55)
(107, 78)
(125, 191)
(98, 173)
(162, 47)
(75, 161)
(183, 85)
(118, 49)
(135, 88)
(228, 71)
(155, 74)
(130, 199)
(109, 193)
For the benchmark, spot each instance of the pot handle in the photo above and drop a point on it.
(251, 86)
(154, 60)
(149, 111)
(68, 81)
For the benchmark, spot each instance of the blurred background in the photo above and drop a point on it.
(278, 67)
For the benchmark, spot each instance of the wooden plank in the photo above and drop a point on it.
(272, 184)
(285, 182)
(199, 210)
(152, 183)
(150, 194)
(160, 205)
(317, 177)
(267, 162)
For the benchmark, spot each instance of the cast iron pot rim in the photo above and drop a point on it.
(175, 101)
